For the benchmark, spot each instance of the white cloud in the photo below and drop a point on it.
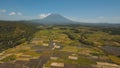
(15, 13)
(19, 13)
(12, 13)
(100, 19)
(41, 16)
(3, 10)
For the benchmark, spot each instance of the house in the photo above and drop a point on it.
(57, 64)
(94, 57)
(54, 58)
(56, 46)
(45, 44)
(56, 41)
(73, 57)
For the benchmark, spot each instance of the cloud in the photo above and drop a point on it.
(15, 13)
(3, 10)
(41, 16)
(100, 19)
(19, 13)
(12, 13)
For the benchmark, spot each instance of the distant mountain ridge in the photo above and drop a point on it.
(57, 19)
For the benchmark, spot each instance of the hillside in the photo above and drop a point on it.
(14, 33)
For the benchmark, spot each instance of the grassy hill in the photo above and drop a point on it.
(14, 33)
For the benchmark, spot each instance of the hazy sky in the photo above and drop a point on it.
(78, 10)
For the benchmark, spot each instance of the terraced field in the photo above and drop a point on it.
(62, 47)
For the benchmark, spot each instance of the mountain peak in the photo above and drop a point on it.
(53, 18)
(42, 16)
(54, 14)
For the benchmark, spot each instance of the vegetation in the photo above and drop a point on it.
(9, 58)
(14, 33)
(114, 59)
(85, 43)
